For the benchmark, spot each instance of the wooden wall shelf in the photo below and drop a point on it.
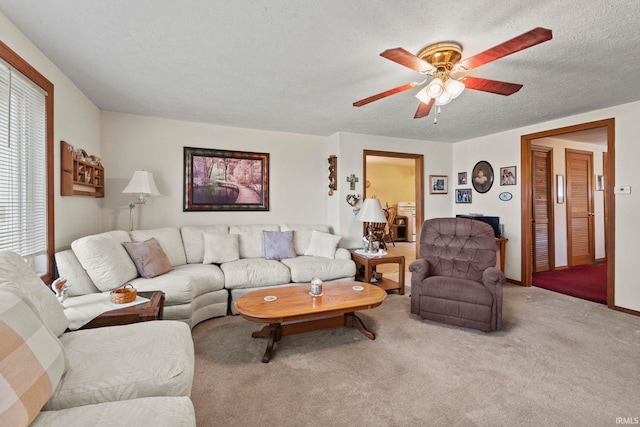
(80, 173)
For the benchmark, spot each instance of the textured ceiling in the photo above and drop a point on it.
(297, 66)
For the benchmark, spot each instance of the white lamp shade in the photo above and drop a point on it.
(371, 211)
(142, 183)
(454, 88)
(423, 96)
(435, 88)
(443, 99)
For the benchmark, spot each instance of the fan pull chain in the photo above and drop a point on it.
(435, 119)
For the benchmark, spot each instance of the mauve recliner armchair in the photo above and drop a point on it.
(454, 280)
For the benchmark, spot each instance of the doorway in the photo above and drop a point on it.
(416, 164)
(527, 217)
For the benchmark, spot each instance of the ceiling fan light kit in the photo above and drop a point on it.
(442, 63)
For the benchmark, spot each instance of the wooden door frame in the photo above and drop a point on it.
(526, 202)
(552, 209)
(419, 182)
(591, 224)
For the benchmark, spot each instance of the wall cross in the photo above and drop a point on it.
(352, 181)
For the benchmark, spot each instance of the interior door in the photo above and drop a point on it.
(542, 210)
(580, 209)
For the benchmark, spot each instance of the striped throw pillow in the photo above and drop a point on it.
(32, 359)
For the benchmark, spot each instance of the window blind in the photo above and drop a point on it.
(23, 166)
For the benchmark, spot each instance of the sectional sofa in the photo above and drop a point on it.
(202, 269)
(138, 374)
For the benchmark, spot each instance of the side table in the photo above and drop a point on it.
(369, 264)
(150, 310)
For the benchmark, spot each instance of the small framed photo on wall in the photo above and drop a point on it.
(462, 178)
(463, 195)
(438, 184)
(508, 175)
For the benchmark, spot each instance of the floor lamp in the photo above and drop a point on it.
(141, 183)
(370, 212)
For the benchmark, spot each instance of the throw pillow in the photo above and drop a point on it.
(149, 258)
(278, 245)
(15, 269)
(33, 359)
(220, 248)
(323, 245)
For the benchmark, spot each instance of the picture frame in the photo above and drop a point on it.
(462, 178)
(438, 184)
(222, 180)
(482, 177)
(560, 189)
(599, 179)
(463, 195)
(508, 175)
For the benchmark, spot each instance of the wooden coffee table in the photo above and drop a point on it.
(336, 307)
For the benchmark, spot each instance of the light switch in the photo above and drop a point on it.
(622, 189)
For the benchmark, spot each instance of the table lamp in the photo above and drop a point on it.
(141, 183)
(371, 211)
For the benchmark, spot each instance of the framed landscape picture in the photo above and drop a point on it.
(221, 180)
(438, 184)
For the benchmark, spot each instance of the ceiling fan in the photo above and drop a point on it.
(440, 63)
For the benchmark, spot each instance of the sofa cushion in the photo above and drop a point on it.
(14, 268)
(220, 248)
(169, 239)
(193, 241)
(323, 244)
(302, 235)
(147, 411)
(78, 280)
(149, 258)
(254, 272)
(278, 244)
(32, 359)
(105, 259)
(305, 268)
(125, 362)
(251, 242)
(184, 283)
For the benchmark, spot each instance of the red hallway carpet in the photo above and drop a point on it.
(582, 281)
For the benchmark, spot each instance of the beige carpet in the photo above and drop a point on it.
(558, 361)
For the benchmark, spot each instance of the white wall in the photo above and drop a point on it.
(77, 121)
(298, 171)
(437, 158)
(560, 210)
(503, 149)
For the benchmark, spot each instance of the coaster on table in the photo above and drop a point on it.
(358, 288)
(270, 298)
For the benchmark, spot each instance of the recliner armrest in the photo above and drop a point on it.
(493, 277)
(419, 269)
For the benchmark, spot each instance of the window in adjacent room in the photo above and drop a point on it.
(26, 220)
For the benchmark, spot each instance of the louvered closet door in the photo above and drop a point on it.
(541, 225)
(580, 221)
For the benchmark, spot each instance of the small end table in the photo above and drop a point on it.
(150, 310)
(369, 264)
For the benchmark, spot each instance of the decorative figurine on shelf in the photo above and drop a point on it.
(60, 287)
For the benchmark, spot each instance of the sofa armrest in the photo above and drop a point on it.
(342, 253)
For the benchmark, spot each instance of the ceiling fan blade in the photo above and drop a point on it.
(424, 109)
(408, 59)
(516, 44)
(385, 94)
(491, 86)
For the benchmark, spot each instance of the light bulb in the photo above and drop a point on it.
(435, 88)
(443, 99)
(454, 88)
(422, 96)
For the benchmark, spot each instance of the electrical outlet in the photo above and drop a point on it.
(622, 189)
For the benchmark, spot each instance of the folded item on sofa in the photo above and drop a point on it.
(83, 309)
